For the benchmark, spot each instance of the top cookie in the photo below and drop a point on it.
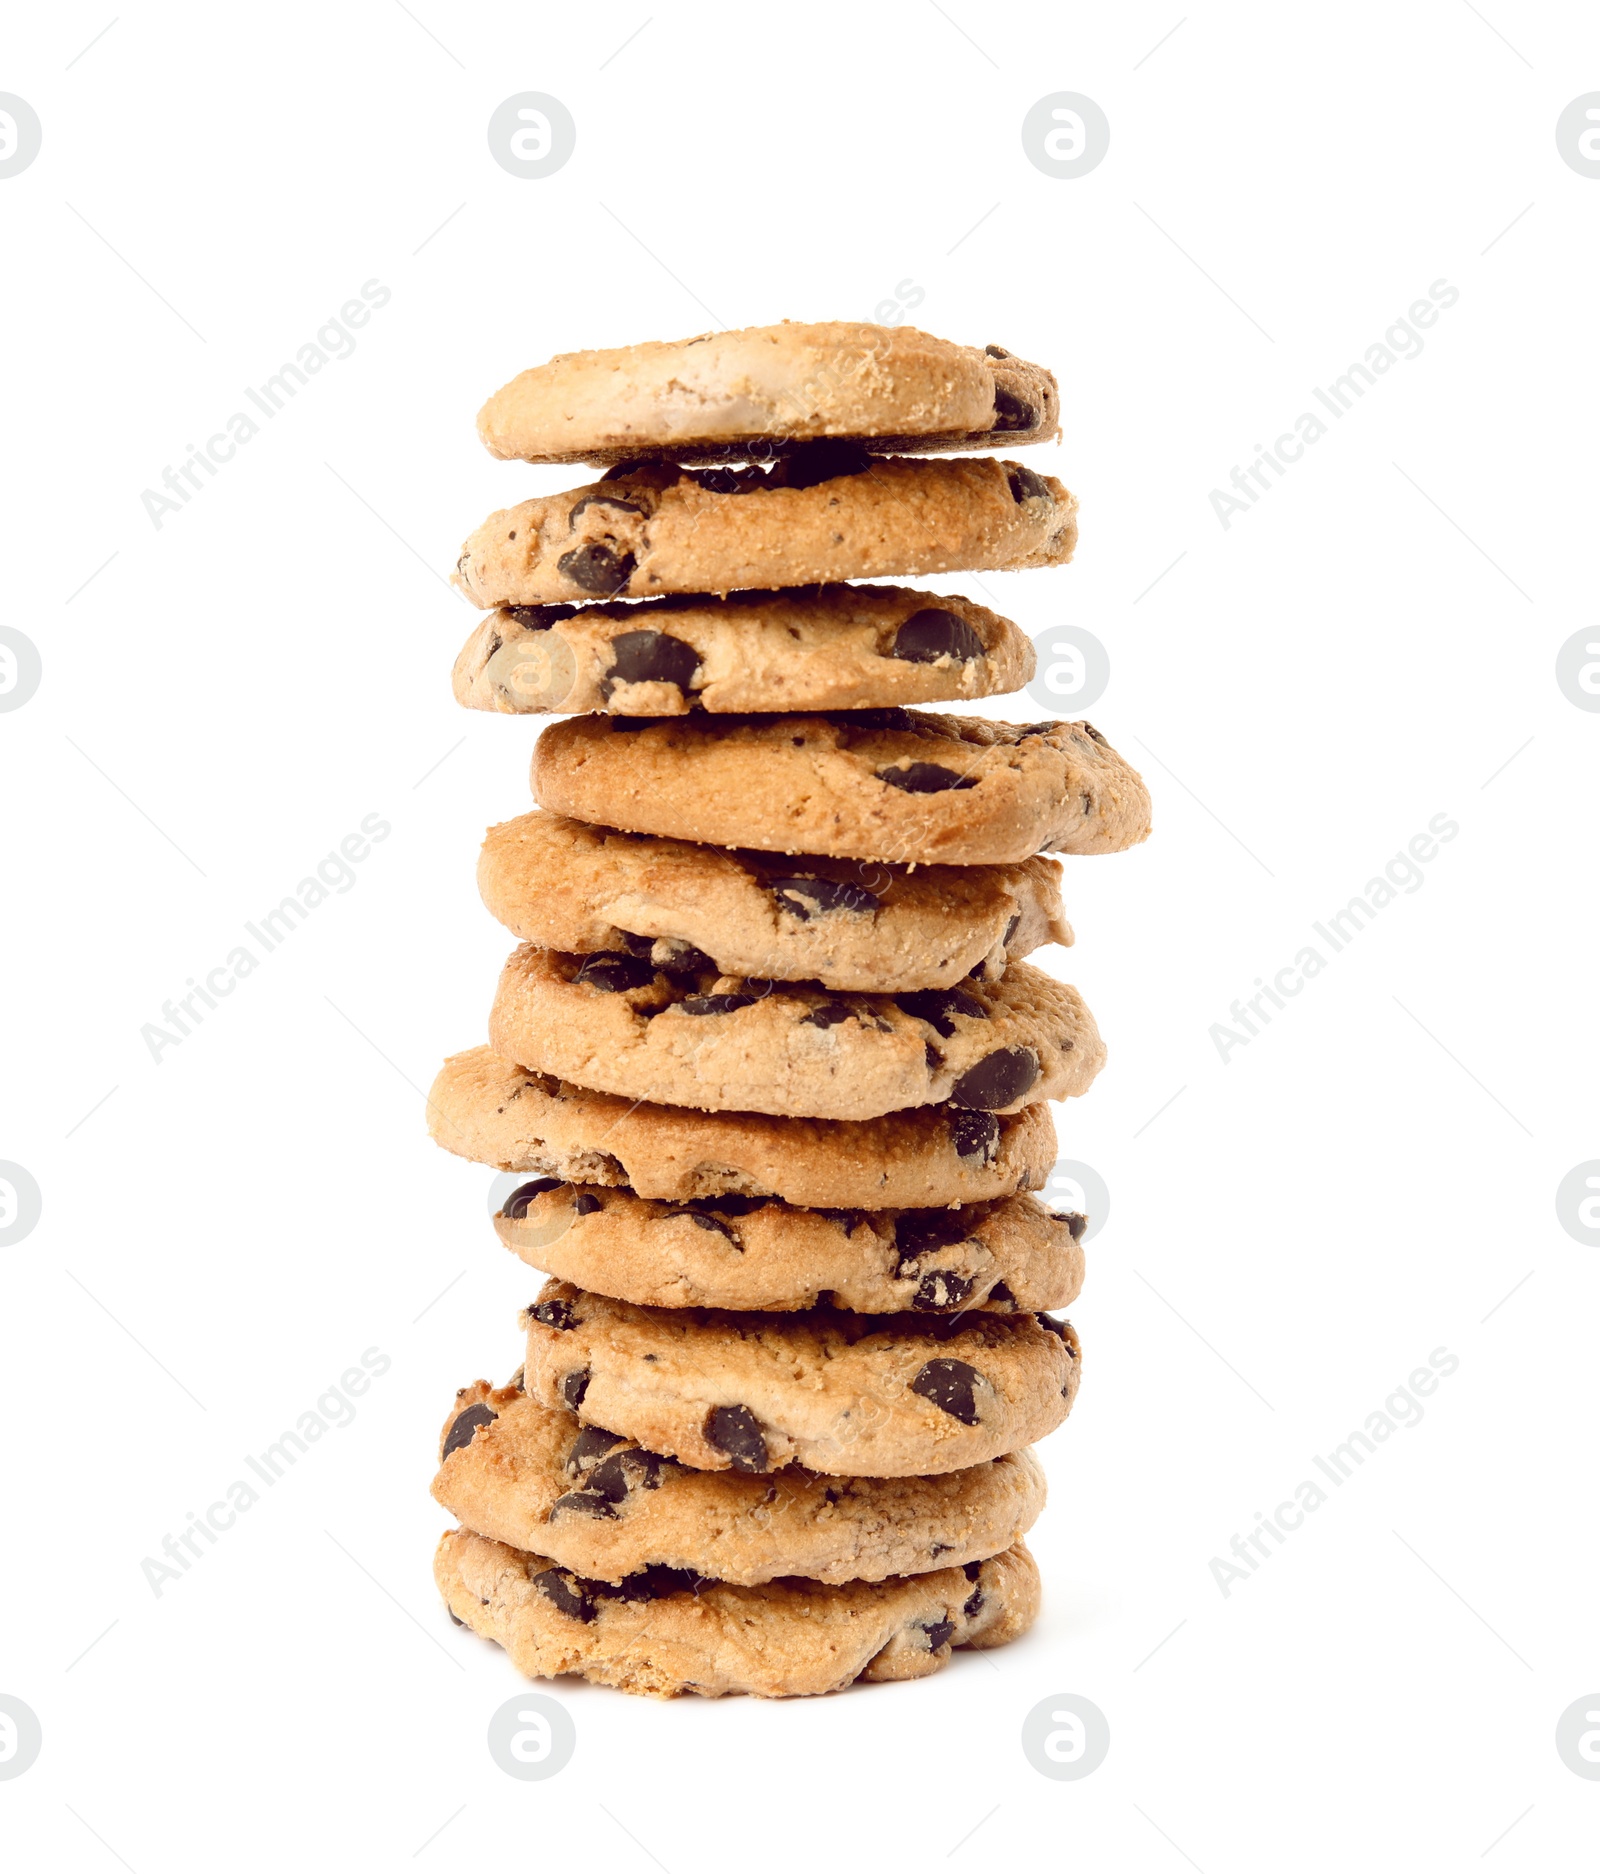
(721, 395)
(825, 512)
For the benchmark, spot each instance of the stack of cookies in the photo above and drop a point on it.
(768, 1050)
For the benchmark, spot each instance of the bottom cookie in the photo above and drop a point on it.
(664, 1632)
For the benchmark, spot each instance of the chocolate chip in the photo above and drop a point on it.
(590, 1445)
(1011, 928)
(939, 1007)
(715, 1224)
(516, 1205)
(731, 1204)
(925, 777)
(455, 1618)
(650, 657)
(581, 1503)
(932, 1058)
(614, 1477)
(814, 462)
(826, 1015)
(1000, 1292)
(730, 481)
(919, 1232)
(656, 1583)
(1025, 485)
(1055, 1327)
(972, 1603)
(602, 501)
(736, 1432)
(941, 1289)
(556, 1314)
(938, 1632)
(848, 1220)
(573, 1387)
(1020, 731)
(636, 946)
(994, 351)
(972, 1570)
(685, 960)
(541, 617)
(597, 567)
(807, 896)
(873, 721)
(1075, 1221)
(1012, 411)
(614, 972)
(465, 1427)
(999, 1079)
(715, 1005)
(950, 1385)
(932, 633)
(586, 1204)
(565, 1593)
(975, 1135)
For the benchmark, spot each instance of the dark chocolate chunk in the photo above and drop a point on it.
(938, 1632)
(972, 1570)
(1075, 1221)
(972, 1603)
(600, 568)
(516, 1205)
(1056, 1327)
(586, 1204)
(650, 657)
(938, 1007)
(557, 1314)
(655, 1583)
(1012, 411)
(1000, 1292)
(997, 1080)
(950, 1385)
(603, 501)
(636, 946)
(715, 1005)
(590, 1445)
(807, 897)
(975, 1135)
(1024, 484)
(540, 617)
(933, 1058)
(612, 971)
(995, 351)
(730, 481)
(465, 1427)
(814, 462)
(1011, 927)
(925, 777)
(917, 1232)
(735, 1431)
(941, 1289)
(566, 1593)
(826, 1015)
(873, 721)
(716, 1224)
(731, 1204)
(932, 633)
(573, 1387)
(581, 1503)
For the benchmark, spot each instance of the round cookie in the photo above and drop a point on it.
(662, 1633)
(899, 786)
(566, 885)
(1013, 1255)
(829, 511)
(489, 1110)
(850, 1395)
(598, 1504)
(823, 647)
(726, 394)
(689, 1037)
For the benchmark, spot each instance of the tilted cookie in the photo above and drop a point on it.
(829, 511)
(689, 1037)
(823, 647)
(662, 1633)
(849, 924)
(851, 1395)
(599, 1504)
(1014, 1255)
(901, 786)
(724, 394)
(484, 1108)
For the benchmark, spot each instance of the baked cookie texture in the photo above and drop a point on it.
(488, 1109)
(850, 1395)
(1014, 1255)
(896, 786)
(689, 1037)
(728, 394)
(605, 1508)
(827, 512)
(821, 647)
(662, 1634)
(567, 885)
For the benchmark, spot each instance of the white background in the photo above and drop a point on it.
(226, 697)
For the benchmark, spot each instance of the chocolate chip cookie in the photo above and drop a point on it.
(901, 786)
(686, 1036)
(484, 1108)
(850, 1395)
(829, 511)
(1013, 1255)
(566, 885)
(661, 1632)
(726, 395)
(822, 647)
(604, 1507)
